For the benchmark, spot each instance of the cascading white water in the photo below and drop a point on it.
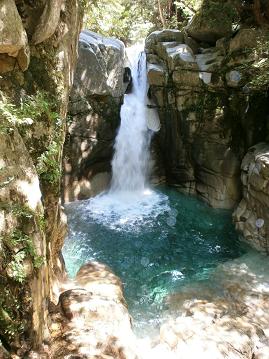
(131, 158)
(130, 203)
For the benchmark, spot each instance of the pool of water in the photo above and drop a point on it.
(158, 242)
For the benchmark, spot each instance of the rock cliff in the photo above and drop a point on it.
(210, 111)
(37, 58)
(210, 86)
(94, 113)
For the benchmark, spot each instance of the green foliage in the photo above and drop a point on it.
(30, 109)
(16, 267)
(131, 21)
(48, 164)
(18, 239)
(228, 10)
(11, 325)
(39, 108)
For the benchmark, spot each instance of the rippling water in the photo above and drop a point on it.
(157, 242)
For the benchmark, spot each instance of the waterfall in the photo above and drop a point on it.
(130, 163)
(130, 204)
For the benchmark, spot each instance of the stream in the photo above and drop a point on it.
(158, 241)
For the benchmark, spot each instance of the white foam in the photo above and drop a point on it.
(125, 210)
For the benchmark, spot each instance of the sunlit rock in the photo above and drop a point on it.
(212, 22)
(252, 215)
(48, 21)
(100, 66)
(166, 35)
(13, 36)
(99, 85)
(98, 321)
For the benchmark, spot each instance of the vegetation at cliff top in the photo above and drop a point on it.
(131, 20)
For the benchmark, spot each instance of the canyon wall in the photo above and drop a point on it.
(38, 52)
(210, 86)
(100, 81)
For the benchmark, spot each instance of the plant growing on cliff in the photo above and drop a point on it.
(48, 166)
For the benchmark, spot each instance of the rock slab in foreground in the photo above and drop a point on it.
(97, 323)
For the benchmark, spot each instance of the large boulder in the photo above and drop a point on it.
(167, 35)
(48, 22)
(100, 68)
(13, 36)
(251, 217)
(213, 21)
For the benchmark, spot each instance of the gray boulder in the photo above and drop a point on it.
(166, 35)
(212, 22)
(100, 68)
(12, 36)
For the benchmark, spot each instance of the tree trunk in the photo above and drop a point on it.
(161, 13)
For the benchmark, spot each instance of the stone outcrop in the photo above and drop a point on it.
(233, 324)
(33, 105)
(94, 115)
(251, 217)
(212, 106)
(14, 49)
(92, 320)
(213, 21)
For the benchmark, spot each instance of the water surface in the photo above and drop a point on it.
(157, 242)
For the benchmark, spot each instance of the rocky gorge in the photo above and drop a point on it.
(212, 112)
(209, 84)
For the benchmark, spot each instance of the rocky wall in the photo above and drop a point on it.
(38, 51)
(94, 115)
(251, 217)
(213, 105)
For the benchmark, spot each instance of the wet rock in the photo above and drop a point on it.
(232, 324)
(251, 217)
(233, 78)
(127, 79)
